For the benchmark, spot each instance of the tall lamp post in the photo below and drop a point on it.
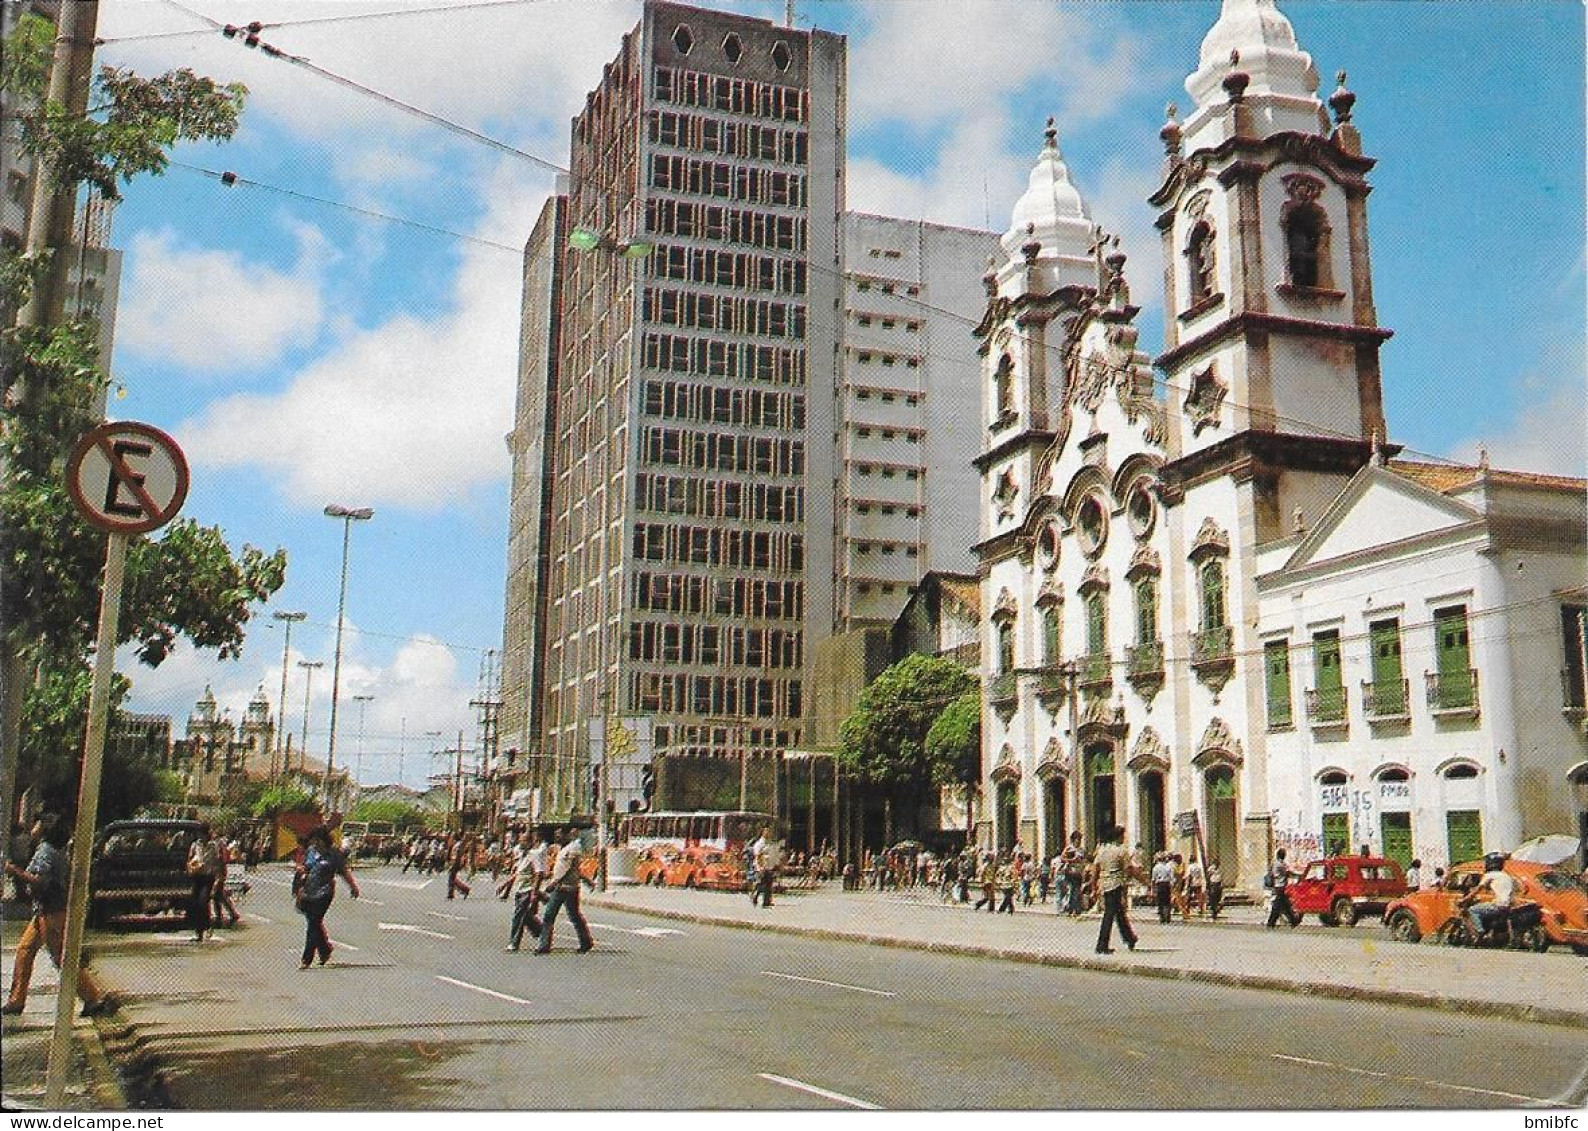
(358, 771)
(308, 667)
(348, 515)
(277, 758)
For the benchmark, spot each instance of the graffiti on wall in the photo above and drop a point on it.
(1300, 845)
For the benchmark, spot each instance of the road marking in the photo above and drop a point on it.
(1405, 1079)
(257, 918)
(835, 985)
(645, 932)
(837, 1097)
(173, 937)
(481, 989)
(405, 887)
(411, 929)
(338, 943)
(376, 902)
(444, 915)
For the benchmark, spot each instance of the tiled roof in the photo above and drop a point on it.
(1447, 477)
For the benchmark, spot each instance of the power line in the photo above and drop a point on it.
(351, 17)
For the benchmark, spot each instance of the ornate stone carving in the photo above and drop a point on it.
(1004, 496)
(1144, 561)
(1206, 397)
(1089, 379)
(1150, 752)
(1099, 717)
(1095, 577)
(1303, 188)
(1055, 763)
(1007, 768)
(1211, 539)
(1197, 207)
(1051, 593)
(1218, 745)
(1005, 607)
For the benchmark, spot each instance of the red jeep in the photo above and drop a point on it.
(1339, 890)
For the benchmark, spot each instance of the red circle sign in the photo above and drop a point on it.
(127, 478)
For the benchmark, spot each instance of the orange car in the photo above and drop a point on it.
(1559, 894)
(704, 868)
(652, 864)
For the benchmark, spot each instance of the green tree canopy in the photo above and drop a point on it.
(883, 741)
(400, 814)
(284, 797)
(953, 745)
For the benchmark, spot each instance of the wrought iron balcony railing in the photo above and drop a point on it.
(1453, 692)
(1326, 706)
(1386, 700)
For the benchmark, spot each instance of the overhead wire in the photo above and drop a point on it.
(349, 17)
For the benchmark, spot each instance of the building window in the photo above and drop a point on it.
(1096, 623)
(1276, 664)
(1050, 635)
(1307, 246)
(732, 48)
(1454, 684)
(1213, 610)
(1199, 258)
(1006, 646)
(1574, 631)
(1093, 524)
(1329, 692)
(683, 39)
(1146, 611)
(781, 58)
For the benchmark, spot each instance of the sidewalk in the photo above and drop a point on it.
(91, 1082)
(1359, 963)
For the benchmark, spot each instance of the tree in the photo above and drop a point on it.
(883, 741)
(399, 814)
(186, 584)
(283, 797)
(953, 747)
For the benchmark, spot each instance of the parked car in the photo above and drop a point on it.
(140, 867)
(652, 864)
(1559, 894)
(705, 868)
(1339, 890)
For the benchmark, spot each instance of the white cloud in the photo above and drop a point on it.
(1548, 431)
(409, 412)
(211, 309)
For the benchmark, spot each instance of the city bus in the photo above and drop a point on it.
(699, 849)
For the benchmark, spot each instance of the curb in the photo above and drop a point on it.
(1510, 1011)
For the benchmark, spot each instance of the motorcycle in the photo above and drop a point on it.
(1521, 929)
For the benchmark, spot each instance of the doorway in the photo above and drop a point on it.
(1154, 831)
(1008, 809)
(1396, 829)
(1104, 811)
(1054, 827)
(1218, 786)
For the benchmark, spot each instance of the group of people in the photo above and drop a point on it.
(209, 861)
(1186, 887)
(546, 868)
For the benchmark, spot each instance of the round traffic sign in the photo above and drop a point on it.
(127, 478)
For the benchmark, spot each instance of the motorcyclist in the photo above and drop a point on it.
(1502, 893)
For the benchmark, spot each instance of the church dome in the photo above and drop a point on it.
(1255, 38)
(1051, 211)
(1247, 26)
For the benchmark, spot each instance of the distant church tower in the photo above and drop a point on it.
(1272, 363)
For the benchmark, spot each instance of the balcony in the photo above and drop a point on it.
(1095, 672)
(1326, 707)
(1002, 692)
(1213, 655)
(1144, 666)
(1574, 699)
(1050, 681)
(1386, 701)
(1454, 694)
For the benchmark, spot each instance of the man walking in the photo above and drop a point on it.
(203, 865)
(528, 873)
(765, 857)
(565, 881)
(1113, 869)
(1162, 885)
(1279, 877)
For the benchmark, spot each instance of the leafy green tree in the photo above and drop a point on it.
(284, 797)
(883, 741)
(399, 814)
(953, 746)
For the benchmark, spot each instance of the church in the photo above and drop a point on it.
(1218, 609)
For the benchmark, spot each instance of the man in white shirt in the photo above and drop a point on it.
(767, 856)
(528, 871)
(565, 881)
(1502, 893)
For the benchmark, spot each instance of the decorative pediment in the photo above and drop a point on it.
(1205, 398)
(1099, 718)
(1095, 577)
(1004, 495)
(1144, 562)
(1055, 763)
(1051, 593)
(1303, 188)
(1197, 207)
(1007, 768)
(1090, 378)
(1211, 539)
(1218, 746)
(1151, 752)
(1005, 607)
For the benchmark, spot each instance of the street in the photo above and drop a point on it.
(420, 1008)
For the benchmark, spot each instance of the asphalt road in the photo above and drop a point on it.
(421, 1009)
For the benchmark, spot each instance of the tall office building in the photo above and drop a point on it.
(676, 411)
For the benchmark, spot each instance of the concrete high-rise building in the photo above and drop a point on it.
(909, 407)
(672, 490)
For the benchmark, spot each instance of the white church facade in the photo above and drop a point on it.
(1217, 612)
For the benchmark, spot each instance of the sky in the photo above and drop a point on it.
(305, 352)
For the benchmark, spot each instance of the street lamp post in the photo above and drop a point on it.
(358, 770)
(277, 756)
(348, 515)
(308, 667)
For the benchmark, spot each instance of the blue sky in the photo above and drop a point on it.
(305, 354)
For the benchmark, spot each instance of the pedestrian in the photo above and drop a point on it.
(564, 882)
(1414, 876)
(46, 879)
(460, 858)
(203, 863)
(1195, 888)
(1279, 877)
(1162, 884)
(988, 878)
(1008, 880)
(766, 855)
(221, 905)
(314, 886)
(1112, 869)
(1215, 889)
(529, 872)
(1074, 857)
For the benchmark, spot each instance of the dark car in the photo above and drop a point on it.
(1342, 889)
(140, 867)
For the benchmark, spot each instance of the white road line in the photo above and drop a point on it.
(1405, 1079)
(413, 930)
(837, 1097)
(444, 915)
(405, 887)
(340, 945)
(256, 918)
(835, 985)
(367, 899)
(481, 990)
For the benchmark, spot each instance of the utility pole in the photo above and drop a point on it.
(49, 230)
(308, 667)
(289, 619)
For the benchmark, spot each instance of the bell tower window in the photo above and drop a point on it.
(1004, 387)
(1200, 259)
(1304, 246)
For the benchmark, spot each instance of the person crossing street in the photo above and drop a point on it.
(565, 881)
(1112, 869)
(1279, 877)
(528, 874)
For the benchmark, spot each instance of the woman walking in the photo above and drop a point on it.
(315, 884)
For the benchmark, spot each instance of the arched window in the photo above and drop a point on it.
(1199, 258)
(1307, 246)
(1146, 610)
(1006, 646)
(1096, 623)
(1050, 634)
(1213, 613)
(1004, 386)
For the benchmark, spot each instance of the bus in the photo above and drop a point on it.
(699, 849)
